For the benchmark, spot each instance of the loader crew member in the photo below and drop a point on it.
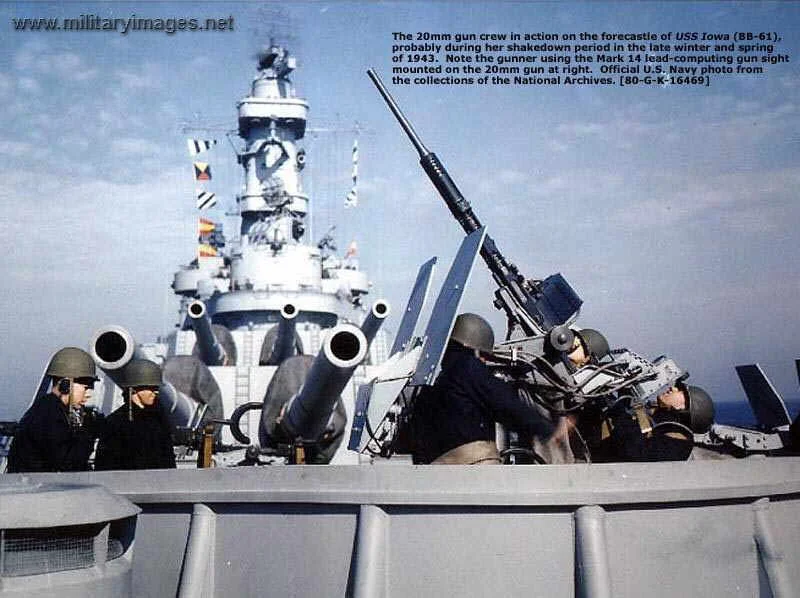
(680, 412)
(589, 346)
(137, 435)
(455, 418)
(57, 433)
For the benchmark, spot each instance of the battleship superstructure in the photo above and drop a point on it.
(270, 295)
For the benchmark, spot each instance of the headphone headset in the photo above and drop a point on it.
(64, 386)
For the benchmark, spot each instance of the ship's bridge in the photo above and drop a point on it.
(250, 310)
(291, 113)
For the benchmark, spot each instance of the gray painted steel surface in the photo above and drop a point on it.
(416, 301)
(767, 404)
(64, 540)
(113, 579)
(60, 502)
(445, 309)
(712, 528)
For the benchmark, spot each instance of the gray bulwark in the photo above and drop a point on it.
(64, 540)
(697, 528)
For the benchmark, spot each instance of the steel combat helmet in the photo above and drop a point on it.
(71, 362)
(474, 332)
(594, 342)
(139, 372)
(701, 409)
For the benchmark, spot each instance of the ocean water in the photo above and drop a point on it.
(738, 413)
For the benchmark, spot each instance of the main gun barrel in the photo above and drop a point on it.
(377, 314)
(112, 347)
(308, 412)
(211, 350)
(181, 410)
(284, 345)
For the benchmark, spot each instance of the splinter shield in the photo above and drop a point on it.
(445, 310)
(767, 404)
(416, 302)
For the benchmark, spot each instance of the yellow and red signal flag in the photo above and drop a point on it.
(205, 226)
(202, 171)
(204, 250)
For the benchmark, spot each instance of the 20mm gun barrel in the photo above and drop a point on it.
(535, 306)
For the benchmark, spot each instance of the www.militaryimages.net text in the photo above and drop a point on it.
(687, 58)
(86, 23)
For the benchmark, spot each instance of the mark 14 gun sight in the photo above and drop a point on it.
(534, 305)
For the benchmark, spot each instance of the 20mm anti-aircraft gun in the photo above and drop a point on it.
(540, 314)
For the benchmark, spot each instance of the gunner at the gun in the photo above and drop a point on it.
(57, 432)
(455, 418)
(665, 434)
(137, 434)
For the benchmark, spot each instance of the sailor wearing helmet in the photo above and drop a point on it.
(57, 433)
(137, 435)
(455, 418)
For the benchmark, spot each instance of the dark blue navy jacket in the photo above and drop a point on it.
(627, 443)
(143, 441)
(464, 404)
(45, 440)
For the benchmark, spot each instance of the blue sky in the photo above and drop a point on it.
(672, 211)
